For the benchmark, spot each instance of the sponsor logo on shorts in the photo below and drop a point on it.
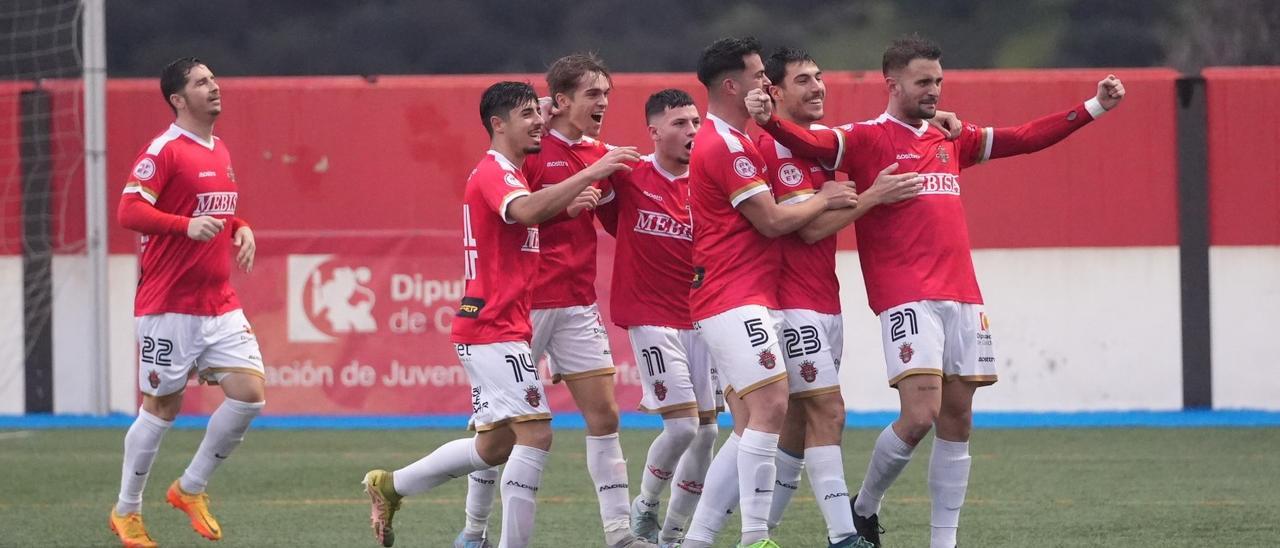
(659, 473)
(533, 396)
(808, 372)
(905, 352)
(660, 390)
(476, 404)
(768, 360)
(154, 380)
(987, 359)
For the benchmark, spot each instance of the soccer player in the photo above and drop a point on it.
(919, 274)
(566, 319)
(653, 265)
(182, 197)
(809, 298)
(733, 301)
(492, 330)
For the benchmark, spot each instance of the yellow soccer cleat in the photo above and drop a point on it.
(130, 529)
(386, 501)
(197, 508)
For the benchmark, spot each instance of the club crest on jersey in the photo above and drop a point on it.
(768, 360)
(532, 396)
(905, 352)
(145, 169)
(942, 154)
(790, 175)
(744, 167)
(154, 380)
(215, 203)
(808, 371)
(512, 181)
(231, 174)
(660, 390)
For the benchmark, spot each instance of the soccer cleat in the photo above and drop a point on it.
(386, 501)
(197, 509)
(619, 535)
(868, 528)
(644, 521)
(130, 529)
(854, 541)
(462, 542)
(766, 543)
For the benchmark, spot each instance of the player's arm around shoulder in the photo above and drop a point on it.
(773, 220)
(549, 201)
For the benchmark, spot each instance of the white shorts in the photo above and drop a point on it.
(744, 347)
(173, 346)
(812, 343)
(505, 386)
(575, 341)
(675, 370)
(945, 338)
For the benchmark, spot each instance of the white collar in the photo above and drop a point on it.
(503, 161)
(919, 131)
(653, 159)
(207, 144)
(719, 120)
(562, 137)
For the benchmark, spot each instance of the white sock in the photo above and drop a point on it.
(482, 485)
(689, 478)
(659, 466)
(785, 485)
(451, 460)
(717, 504)
(521, 477)
(608, 470)
(826, 477)
(948, 481)
(223, 435)
(757, 473)
(141, 444)
(889, 457)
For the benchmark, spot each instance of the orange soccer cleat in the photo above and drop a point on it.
(197, 508)
(130, 529)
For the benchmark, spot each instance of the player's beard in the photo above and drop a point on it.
(926, 111)
(533, 149)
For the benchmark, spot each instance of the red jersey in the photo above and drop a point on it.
(567, 272)
(808, 277)
(919, 249)
(653, 264)
(734, 264)
(500, 257)
(182, 174)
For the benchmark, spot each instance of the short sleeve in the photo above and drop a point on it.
(149, 174)
(499, 188)
(739, 173)
(790, 182)
(974, 145)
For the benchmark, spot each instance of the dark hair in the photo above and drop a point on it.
(500, 98)
(173, 79)
(775, 67)
(906, 49)
(725, 55)
(659, 102)
(564, 73)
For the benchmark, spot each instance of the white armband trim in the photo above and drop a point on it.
(506, 201)
(747, 193)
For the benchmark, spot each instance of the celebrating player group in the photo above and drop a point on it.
(724, 278)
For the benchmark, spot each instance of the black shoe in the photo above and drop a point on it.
(869, 528)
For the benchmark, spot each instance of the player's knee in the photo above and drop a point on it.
(601, 420)
(536, 434)
(916, 424)
(680, 430)
(826, 413)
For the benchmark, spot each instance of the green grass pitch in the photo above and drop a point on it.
(1029, 488)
